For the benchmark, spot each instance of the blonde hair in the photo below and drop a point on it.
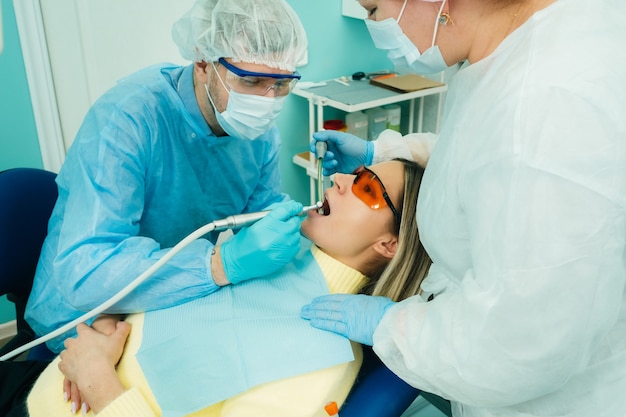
(402, 276)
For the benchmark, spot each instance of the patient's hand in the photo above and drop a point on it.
(89, 361)
(105, 324)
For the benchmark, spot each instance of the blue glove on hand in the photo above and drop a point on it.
(265, 246)
(345, 152)
(352, 316)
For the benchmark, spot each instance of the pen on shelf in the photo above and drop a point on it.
(342, 80)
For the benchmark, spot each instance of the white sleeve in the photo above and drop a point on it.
(540, 303)
(540, 300)
(414, 146)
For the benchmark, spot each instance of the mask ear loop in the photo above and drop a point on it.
(220, 78)
(209, 96)
(206, 88)
(438, 22)
(401, 11)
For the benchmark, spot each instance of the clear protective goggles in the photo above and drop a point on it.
(258, 83)
(368, 188)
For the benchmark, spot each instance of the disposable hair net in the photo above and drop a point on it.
(266, 32)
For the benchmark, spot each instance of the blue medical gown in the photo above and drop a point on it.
(144, 171)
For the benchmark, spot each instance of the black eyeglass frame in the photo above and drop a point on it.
(359, 171)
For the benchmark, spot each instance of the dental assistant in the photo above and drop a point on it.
(522, 208)
(167, 150)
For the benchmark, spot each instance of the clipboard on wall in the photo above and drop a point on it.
(405, 83)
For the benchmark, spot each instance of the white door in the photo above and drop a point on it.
(74, 50)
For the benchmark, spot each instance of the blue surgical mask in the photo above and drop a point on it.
(387, 35)
(247, 116)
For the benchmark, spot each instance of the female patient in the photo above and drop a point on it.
(364, 242)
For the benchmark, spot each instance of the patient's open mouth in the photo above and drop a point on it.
(325, 210)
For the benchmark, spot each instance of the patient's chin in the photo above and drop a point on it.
(305, 229)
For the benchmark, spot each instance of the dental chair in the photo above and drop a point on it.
(27, 196)
(378, 392)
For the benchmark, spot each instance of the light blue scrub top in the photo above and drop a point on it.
(144, 171)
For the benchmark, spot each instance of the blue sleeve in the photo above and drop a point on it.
(96, 248)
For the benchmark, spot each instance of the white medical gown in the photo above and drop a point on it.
(144, 171)
(523, 211)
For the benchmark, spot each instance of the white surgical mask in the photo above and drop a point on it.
(247, 116)
(387, 35)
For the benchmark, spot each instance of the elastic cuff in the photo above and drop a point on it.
(369, 153)
(228, 263)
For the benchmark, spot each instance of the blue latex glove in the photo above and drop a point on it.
(345, 152)
(353, 316)
(264, 247)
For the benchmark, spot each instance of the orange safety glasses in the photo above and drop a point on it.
(371, 190)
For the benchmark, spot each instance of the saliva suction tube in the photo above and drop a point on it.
(320, 152)
(230, 222)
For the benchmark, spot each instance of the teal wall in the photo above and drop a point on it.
(18, 137)
(337, 46)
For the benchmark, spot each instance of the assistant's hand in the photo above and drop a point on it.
(345, 152)
(353, 316)
(265, 246)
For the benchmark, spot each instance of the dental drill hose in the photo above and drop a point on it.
(121, 294)
(235, 221)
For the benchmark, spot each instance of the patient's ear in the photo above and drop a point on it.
(387, 246)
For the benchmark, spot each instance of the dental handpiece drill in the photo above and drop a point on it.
(246, 219)
(320, 152)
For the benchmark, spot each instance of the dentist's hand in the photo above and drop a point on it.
(345, 152)
(265, 246)
(353, 316)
